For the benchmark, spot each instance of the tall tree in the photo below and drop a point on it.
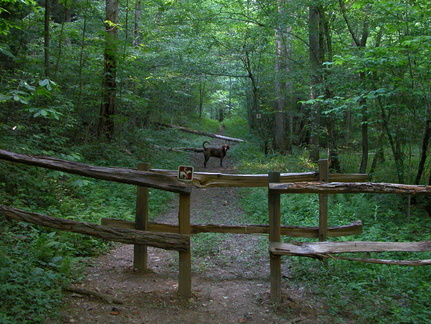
(316, 60)
(47, 37)
(106, 127)
(137, 22)
(360, 40)
(282, 85)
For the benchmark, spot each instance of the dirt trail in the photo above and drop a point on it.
(230, 274)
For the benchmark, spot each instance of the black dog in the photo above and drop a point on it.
(219, 152)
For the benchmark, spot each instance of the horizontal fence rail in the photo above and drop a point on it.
(123, 175)
(167, 241)
(167, 179)
(206, 179)
(354, 228)
(357, 187)
(310, 248)
(332, 250)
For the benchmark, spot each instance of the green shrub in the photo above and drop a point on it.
(34, 266)
(29, 294)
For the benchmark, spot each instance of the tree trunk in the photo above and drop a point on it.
(364, 133)
(138, 18)
(379, 156)
(81, 61)
(192, 131)
(254, 121)
(47, 37)
(201, 96)
(66, 19)
(281, 85)
(326, 54)
(360, 42)
(315, 77)
(364, 107)
(425, 141)
(395, 145)
(106, 126)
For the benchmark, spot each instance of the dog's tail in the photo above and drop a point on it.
(203, 144)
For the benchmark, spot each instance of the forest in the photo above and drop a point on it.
(93, 81)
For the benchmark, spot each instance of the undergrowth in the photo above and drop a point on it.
(351, 292)
(358, 292)
(32, 293)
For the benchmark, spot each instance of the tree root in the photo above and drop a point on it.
(107, 298)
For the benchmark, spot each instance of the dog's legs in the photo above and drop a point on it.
(206, 160)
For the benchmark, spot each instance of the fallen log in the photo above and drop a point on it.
(179, 149)
(355, 187)
(354, 228)
(167, 241)
(123, 175)
(192, 131)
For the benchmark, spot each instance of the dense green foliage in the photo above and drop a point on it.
(353, 291)
(353, 74)
(176, 59)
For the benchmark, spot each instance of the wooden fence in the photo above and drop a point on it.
(323, 249)
(138, 235)
(143, 233)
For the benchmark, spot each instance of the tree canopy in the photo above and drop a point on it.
(321, 74)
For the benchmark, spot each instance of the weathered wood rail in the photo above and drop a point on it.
(308, 248)
(293, 231)
(123, 175)
(166, 179)
(323, 249)
(167, 241)
(206, 179)
(338, 188)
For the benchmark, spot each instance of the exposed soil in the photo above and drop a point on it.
(230, 274)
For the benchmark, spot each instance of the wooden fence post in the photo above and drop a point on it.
(274, 236)
(323, 202)
(140, 254)
(185, 260)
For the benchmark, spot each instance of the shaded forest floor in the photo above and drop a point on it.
(230, 274)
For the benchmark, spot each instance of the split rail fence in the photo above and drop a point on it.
(142, 233)
(324, 249)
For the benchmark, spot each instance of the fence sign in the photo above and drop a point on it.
(185, 173)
